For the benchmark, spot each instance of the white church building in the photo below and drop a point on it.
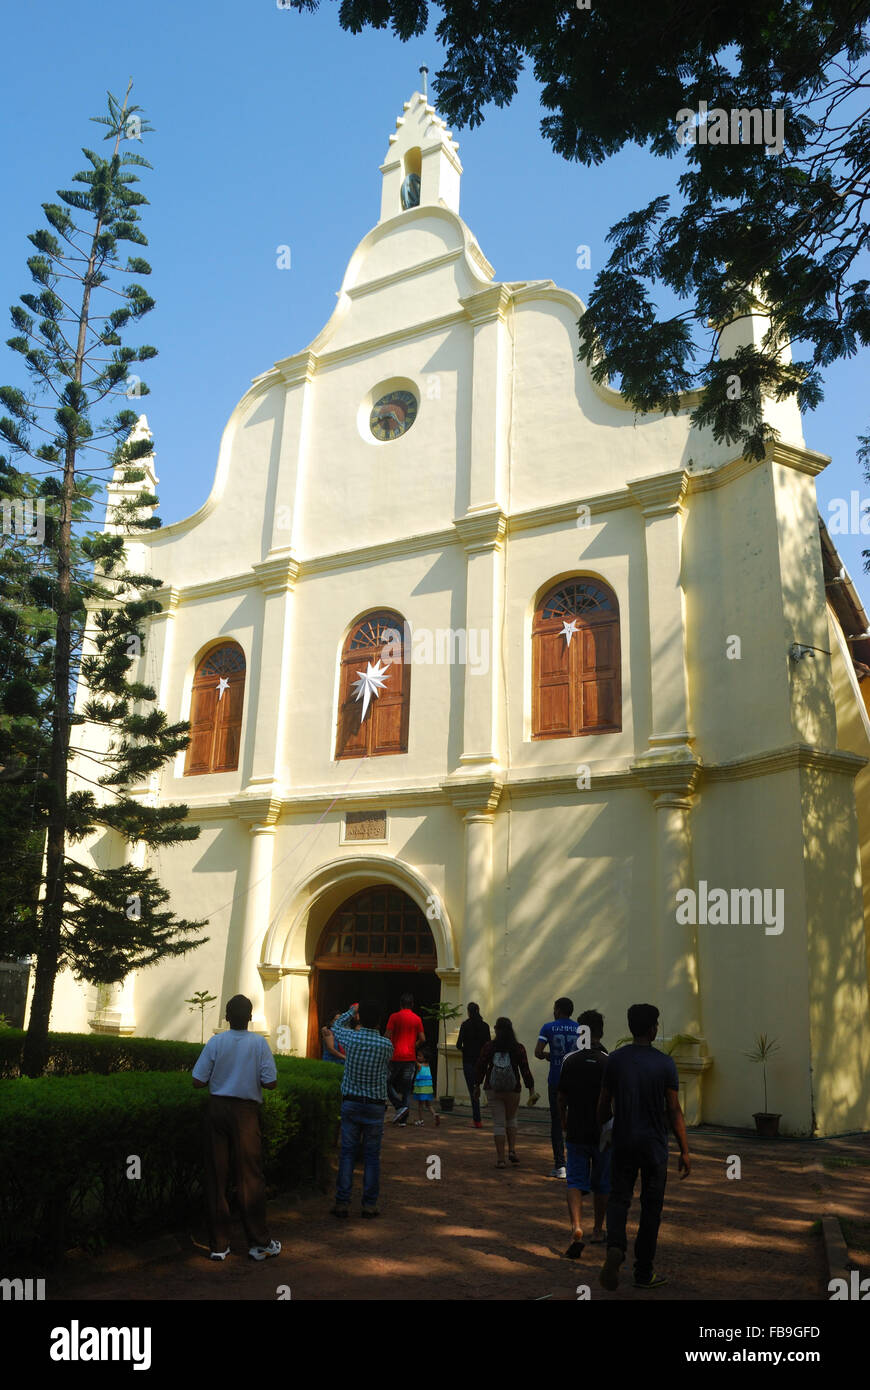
(500, 692)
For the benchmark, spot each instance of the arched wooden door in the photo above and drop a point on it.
(377, 945)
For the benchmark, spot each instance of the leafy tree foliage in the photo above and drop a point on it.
(784, 231)
(80, 735)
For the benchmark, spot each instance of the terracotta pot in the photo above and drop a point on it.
(766, 1124)
(446, 1102)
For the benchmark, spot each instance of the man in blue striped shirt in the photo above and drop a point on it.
(363, 1101)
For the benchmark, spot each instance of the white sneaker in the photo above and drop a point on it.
(559, 1173)
(265, 1252)
(219, 1254)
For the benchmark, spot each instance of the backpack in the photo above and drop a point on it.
(502, 1076)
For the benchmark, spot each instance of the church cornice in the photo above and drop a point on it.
(483, 530)
(473, 795)
(410, 272)
(562, 513)
(483, 795)
(277, 573)
(791, 757)
(366, 346)
(489, 305)
(169, 597)
(659, 495)
(655, 495)
(297, 370)
(788, 455)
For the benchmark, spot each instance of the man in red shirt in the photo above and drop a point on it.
(405, 1030)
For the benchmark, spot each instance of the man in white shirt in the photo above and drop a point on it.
(235, 1066)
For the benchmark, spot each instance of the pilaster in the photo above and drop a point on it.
(482, 534)
(660, 499)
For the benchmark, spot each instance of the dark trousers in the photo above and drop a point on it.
(557, 1136)
(233, 1148)
(624, 1168)
(469, 1070)
(400, 1082)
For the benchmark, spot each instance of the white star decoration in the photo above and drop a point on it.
(568, 630)
(370, 683)
(222, 685)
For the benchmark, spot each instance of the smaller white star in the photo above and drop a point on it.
(222, 685)
(568, 630)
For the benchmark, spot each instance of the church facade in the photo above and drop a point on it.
(500, 692)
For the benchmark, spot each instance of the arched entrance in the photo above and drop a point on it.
(376, 945)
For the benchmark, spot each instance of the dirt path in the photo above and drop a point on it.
(481, 1233)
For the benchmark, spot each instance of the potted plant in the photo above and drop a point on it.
(766, 1122)
(443, 1013)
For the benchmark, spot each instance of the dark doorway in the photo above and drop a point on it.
(338, 989)
(376, 945)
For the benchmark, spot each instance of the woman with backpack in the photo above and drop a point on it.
(500, 1067)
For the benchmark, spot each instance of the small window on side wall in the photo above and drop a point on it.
(216, 711)
(576, 661)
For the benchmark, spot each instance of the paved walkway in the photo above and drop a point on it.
(481, 1233)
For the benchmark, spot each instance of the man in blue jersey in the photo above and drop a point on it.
(641, 1089)
(555, 1041)
(236, 1066)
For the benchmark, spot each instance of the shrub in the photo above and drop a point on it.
(73, 1054)
(65, 1144)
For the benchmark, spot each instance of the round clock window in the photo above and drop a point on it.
(392, 415)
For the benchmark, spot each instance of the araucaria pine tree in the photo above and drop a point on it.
(101, 922)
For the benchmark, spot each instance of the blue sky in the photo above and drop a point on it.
(269, 130)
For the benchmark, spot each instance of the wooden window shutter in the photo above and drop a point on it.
(384, 729)
(576, 686)
(216, 707)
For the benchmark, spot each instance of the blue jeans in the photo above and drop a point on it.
(557, 1135)
(360, 1123)
(469, 1071)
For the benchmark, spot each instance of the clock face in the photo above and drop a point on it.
(393, 414)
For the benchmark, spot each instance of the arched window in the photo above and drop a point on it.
(576, 661)
(216, 711)
(368, 727)
(375, 926)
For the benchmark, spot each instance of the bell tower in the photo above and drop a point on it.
(422, 167)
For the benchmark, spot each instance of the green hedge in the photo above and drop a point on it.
(73, 1054)
(65, 1144)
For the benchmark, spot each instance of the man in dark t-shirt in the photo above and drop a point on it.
(640, 1087)
(588, 1165)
